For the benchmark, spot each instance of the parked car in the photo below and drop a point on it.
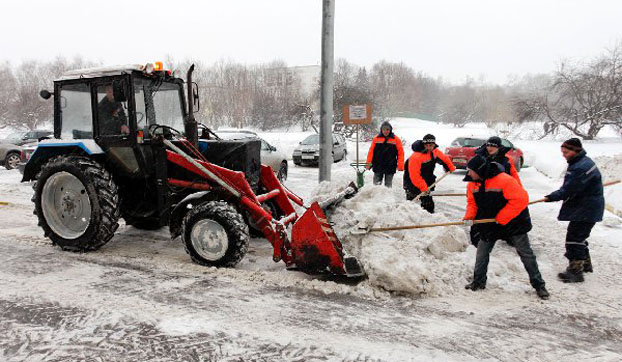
(462, 149)
(10, 155)
(270, 155)
(308, 151)
(21, 138)
(27, 150)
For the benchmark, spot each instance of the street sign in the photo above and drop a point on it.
(357, 114)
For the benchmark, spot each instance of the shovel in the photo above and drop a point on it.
(363, 231)
(431, 186)
(531, 202)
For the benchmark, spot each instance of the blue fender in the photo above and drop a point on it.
(50, 148)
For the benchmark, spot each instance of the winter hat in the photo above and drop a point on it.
(429, 138)
(573, 144)
(477, 164)
(494, 141)
(386, 124)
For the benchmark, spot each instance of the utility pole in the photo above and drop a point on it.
(326, 101)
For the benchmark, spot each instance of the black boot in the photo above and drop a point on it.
(542, 293)
(574, 272)
(587, 265)
(475, 286)
(427, 204)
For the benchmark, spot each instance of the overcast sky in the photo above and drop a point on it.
(448, 38)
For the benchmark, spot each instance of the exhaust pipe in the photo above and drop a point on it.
(190, 126)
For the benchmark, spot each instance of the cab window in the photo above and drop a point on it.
(75, 111)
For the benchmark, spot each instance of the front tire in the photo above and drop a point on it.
(215, 234)
(77, 203)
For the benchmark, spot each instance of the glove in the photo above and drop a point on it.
(547, 198)
(468, 222)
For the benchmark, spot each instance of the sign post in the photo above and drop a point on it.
(358, 115)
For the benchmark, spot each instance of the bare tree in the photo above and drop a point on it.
(461, 105)
(582, 98)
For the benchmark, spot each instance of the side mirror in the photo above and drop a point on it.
(45, 94)
(119, 90)
(272, 148)
(300, 142)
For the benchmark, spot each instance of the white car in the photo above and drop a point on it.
(308, 151)
(270, 155)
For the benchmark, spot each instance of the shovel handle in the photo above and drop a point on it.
(604, 184)
(423, 226)
(431, 186)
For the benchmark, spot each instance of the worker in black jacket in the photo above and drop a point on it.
(583, 205)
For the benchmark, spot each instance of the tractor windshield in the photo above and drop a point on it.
(158, 102)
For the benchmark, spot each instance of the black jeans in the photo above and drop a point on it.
(576, 240)
(523, 248)
(388, 179)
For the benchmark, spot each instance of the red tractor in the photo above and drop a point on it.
(119, 151)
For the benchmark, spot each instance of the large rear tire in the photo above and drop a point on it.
(76, 202)
(215, 234)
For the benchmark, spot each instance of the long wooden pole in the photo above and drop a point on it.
(423, 226)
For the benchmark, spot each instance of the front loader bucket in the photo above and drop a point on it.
(316, 249)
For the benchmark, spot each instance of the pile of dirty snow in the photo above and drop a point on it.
(428, 261)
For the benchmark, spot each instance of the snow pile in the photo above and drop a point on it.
(429, 261)
(611, 169)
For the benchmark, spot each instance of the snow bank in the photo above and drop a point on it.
(419, 262)
(611, 169)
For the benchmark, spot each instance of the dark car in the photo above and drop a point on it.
(21, 138)
(462, 149)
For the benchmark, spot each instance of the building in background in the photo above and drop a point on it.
(305, 77)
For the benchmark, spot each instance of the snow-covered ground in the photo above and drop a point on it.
(141, 298)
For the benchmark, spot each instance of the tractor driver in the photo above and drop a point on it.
(112, 118)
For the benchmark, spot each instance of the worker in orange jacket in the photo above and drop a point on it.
(491, 193)
(419, 174)
(385, 155)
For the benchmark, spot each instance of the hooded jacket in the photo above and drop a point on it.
(582, 191)
(498, 196)
(501, 158)
(386, 154)
(419, 172)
